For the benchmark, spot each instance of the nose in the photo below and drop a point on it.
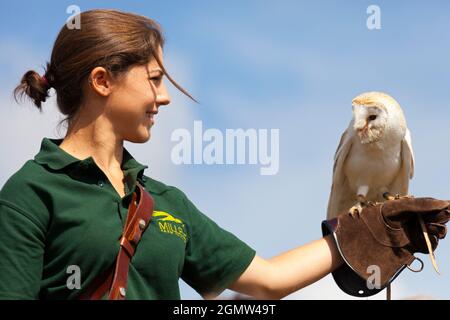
(162, 97)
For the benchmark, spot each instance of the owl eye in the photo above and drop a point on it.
(372, 117)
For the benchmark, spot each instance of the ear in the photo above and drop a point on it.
(100, 81)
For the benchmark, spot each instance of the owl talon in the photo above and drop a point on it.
(408, 196)
(388, 196)
(356, 209)
(397, 196)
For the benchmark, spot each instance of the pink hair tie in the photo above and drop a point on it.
(44, 79)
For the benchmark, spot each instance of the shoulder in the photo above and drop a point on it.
(24, 192)
(170, 198)
(159, 188)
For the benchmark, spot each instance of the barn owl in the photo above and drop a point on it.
(374, 158)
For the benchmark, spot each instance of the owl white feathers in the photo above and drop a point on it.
(374, 156)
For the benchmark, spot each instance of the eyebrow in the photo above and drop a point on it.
(157, 70)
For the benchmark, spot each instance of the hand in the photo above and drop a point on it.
(403, 213)
(385, 235)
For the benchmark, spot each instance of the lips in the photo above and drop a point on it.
(149, 116)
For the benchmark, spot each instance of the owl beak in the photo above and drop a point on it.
(362, 129)
(360, 125)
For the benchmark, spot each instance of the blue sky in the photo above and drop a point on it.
(290, 65)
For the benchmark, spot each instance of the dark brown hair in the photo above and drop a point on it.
(111, 39)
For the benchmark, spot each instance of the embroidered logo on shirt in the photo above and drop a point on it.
(171, 225)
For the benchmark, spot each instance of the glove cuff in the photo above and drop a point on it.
(370, 265)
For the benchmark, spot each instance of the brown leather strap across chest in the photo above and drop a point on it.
(140, 212)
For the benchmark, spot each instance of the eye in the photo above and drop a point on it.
(372, 117)
(156, 79)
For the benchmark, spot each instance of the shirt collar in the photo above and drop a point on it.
(56, 158)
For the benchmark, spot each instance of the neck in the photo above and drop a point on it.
(96, 139)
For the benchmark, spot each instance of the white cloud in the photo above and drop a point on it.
(22, 129)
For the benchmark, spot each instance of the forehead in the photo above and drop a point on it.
(153, 65)
(159, 54)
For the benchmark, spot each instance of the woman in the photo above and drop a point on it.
(65, 209)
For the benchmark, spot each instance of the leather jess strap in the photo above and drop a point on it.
(140, 212)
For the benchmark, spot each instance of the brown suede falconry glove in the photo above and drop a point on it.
(380, 242)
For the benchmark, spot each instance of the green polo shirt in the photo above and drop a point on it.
(60, 221)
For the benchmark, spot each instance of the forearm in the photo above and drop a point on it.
(288, 272)
(302, 266)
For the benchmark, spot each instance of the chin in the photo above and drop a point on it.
(141, 136)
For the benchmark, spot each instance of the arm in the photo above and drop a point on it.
(288, 272)
(21, 254)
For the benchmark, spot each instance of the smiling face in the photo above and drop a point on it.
(134, 99)
(369, 122)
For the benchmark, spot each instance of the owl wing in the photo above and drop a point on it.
(340, 192)
(408, 142)
(400, 184)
